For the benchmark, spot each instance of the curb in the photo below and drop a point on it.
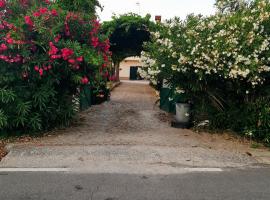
(115, 85)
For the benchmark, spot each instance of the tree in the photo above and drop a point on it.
(85, 6)
(127, 34)
(231, 5)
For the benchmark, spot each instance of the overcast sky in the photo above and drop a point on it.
(166, 8)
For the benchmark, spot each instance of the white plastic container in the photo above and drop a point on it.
(182, 113)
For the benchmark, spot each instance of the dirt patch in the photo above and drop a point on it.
(163, 117)
(3, 151)
(18, 140)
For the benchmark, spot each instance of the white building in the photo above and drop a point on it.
(129, 68)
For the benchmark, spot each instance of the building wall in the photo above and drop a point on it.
(125, 67)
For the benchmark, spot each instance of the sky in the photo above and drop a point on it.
(166, 8)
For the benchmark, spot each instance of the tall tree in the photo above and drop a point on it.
(127, 34)
(231, 5)
(85, 6)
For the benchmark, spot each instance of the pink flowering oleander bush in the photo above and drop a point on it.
(47, 55)
(221, 63)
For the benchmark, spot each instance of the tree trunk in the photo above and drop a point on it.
(117, 70)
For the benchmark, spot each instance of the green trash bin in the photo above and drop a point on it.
(165, 103)
(85, 98)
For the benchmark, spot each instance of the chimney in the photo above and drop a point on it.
(158, 18)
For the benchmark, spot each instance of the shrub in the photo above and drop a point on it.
(222, 63)
(47, 55)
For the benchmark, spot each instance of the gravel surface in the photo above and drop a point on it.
(130, 128)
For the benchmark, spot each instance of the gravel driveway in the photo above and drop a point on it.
(130, 130)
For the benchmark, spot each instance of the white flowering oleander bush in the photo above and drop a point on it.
(222, 62)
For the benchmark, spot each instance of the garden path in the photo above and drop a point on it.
(130, 134)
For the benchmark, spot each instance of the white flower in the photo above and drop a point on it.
(174, 67)
(249, 133)
(174, 55)
(255, 26)
(180, 91)
(154, 82)
(157, 35)
(182, 59)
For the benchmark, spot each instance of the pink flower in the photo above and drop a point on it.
(71, 61)
(43, 10)
(53, 50)
(28, 20)
(10, 41)
(67, 31)
(17, 58)
(80, 59)
(3, 57)
(36, 14)
(56, 57)
(95, 41)
(67, 53)
(40, 72)
(2, 4)
(47, 2)
(85, 80)
(57, 38)
(105, 57)
(54, 12)
(3, 47)
(36, 68)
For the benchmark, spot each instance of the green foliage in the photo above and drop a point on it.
(85, 6)
(6, 96)
(3, 119)
(221, 63)
(127, 34)
(46, 58)
(231, 5)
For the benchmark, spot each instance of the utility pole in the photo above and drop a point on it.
(139, 7)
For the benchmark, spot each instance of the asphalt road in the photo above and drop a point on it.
(251, 184)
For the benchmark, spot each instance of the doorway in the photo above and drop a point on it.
(133, 73)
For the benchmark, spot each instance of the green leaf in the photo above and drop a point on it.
(7, 96)
(35, 122)
(3, 119)
(23, 108)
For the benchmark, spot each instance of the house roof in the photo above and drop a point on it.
(133, 59)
